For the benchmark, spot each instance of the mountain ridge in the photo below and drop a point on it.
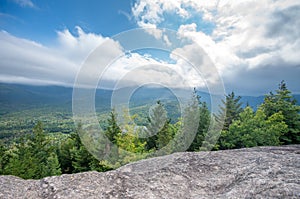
(12, 95)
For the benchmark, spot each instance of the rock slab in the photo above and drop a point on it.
(262, 172)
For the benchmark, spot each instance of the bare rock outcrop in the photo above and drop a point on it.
(262, 172)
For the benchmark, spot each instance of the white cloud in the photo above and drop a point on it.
(248, 36)
(138, 69)
(78, 47)
(246, 46)
(27, 59)
(23, 59)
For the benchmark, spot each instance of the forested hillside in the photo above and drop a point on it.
(22, 106)
(42, 152)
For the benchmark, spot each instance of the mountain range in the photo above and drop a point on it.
(18, 97)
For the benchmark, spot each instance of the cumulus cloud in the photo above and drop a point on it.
(141, 69)
(250, 48)
(90, 58)
(26, 59)
(23, 59)
(248, 37)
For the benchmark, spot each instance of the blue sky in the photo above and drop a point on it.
(41, 20)
(252, 50)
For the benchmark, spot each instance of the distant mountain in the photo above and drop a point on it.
(24, 94)
(18, 97)
(14, 97)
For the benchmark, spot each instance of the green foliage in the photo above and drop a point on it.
(284, 102)
(53, 167)
(113, 129)
(4, 157)
(33, 157)
(19, 122)
(159, 129)
(253, 129)
(37, 154)
(64, 154)
(185, 136)
(74, 157)
(230, 110)
(204, 121)
(129, 145)
(165, 135)
(128, 138)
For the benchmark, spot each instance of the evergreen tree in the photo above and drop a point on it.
(41, 148)
(53, 166)
(64, 155)
(158, 124)
(202, 130)
(4, 157)
(185, 136)
(22, 162)
(230, 110)
(113, 128)
(81, 159)
(164, 136)
(283, 101)
(33, 157)
(74, 156)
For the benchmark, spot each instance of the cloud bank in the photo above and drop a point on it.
(25, 61)
(254, 44)
(253, 49)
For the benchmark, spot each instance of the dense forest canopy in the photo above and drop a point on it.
(41, 153)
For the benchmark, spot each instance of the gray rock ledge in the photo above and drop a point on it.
(261, 172)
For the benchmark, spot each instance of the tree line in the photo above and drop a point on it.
(275, 122)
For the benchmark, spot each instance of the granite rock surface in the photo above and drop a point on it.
(261, 172)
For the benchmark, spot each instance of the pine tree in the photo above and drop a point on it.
(4, 157)
(283, 101)
(81, 158)
(230, 110)
(202, 130)
(113, 128)
(33, 157)
(20, 162)
(40, 148)
(185, 136)
(53, 166)
(64, 155)
(164, 136)
(158, 123)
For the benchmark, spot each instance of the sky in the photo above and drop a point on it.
(248, 46)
